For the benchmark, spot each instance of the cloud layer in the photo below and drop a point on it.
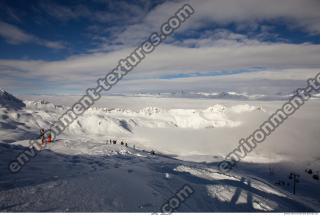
(223, 37)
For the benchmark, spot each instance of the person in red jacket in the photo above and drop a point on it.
(49, 136)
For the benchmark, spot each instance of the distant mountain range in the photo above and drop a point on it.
(215, 95)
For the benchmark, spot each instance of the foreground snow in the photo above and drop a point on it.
(126, 179)
(80, 172)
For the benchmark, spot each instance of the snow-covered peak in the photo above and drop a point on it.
(42, 105)
(216, 109)
(9, 101)
(151, 110)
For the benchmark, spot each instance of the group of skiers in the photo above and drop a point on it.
(115, 142)
(46, 137)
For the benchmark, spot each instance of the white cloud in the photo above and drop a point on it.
(83, 70)
(245, 14)
(13, 34)
(16, 35)
(301, 13)
(267, 82)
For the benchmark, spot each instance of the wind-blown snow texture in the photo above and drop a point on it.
(80, 172)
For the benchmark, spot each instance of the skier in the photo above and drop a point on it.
(316, 177)
(42, 136)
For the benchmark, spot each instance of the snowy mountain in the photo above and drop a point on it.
(9, 101)
(82, 171)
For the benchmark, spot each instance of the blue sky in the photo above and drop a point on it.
(62, 47)
(76, 26)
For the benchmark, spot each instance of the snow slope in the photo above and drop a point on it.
(80, 172)
(116, 178)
